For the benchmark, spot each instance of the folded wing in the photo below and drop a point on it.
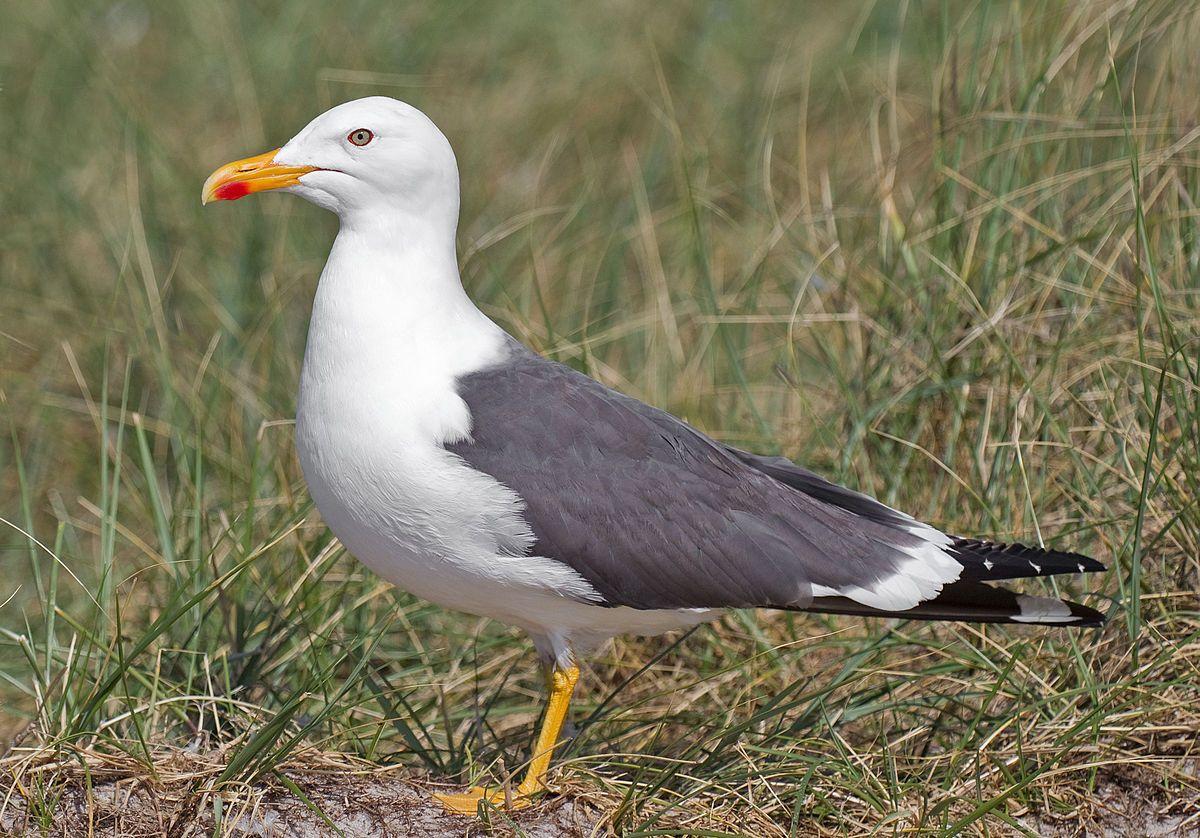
(656, 515)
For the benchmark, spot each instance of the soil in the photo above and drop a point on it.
(360, 807)
(357, 804)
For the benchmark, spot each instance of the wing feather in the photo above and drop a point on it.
(655, 514)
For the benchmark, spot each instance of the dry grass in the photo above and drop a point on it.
(946, 255)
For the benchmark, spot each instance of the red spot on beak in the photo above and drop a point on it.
(232, 191)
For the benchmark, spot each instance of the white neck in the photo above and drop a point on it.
(392, 324)
(405, 261)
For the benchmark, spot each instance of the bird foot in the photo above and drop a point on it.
(467, 803)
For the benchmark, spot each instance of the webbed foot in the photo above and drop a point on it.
(467, 803)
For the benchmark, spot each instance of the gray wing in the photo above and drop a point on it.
(653, 513)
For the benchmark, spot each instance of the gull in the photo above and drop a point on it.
(465, 468)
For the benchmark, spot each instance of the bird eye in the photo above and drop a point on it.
(360, 136)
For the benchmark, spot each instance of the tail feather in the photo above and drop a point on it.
(974, 602)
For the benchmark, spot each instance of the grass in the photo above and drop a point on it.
(946, 253)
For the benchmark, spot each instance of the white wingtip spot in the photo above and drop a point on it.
(1040, 609)
(988, 563)
(1037, 568)
(1081, 570)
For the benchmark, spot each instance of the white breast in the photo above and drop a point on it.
(377, 401)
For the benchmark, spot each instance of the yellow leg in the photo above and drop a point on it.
(561, 683)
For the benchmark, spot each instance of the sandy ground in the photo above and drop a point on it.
(382, 807)
(1125, 803)
(1122, 803)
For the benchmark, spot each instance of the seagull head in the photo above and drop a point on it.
(374, 156)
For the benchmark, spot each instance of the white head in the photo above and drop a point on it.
(373, 159)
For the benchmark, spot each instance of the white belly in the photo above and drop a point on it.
(377, 403)
(416, 514)
(422, 519)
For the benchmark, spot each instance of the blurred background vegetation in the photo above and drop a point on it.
(945, 252)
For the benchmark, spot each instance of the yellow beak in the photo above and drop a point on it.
(254, 174)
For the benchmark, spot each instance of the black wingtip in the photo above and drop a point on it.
(1088, 617)
(989, 561)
